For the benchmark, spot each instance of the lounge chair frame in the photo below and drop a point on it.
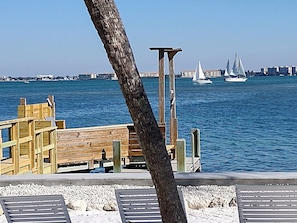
(140, 205)
(267, 203)
(37, 208)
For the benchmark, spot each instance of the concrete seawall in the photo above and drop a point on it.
(144, 179)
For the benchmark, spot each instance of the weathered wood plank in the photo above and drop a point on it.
(85, 144)
(8, 144)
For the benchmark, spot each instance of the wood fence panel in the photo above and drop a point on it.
(86, 144)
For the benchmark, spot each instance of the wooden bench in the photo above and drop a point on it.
(267, 203)
(43, 208)
(140, 205)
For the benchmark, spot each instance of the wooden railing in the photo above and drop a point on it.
(38, 111)
(46, 150)
(25, 149)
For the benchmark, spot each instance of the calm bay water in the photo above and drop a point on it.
(244, 126)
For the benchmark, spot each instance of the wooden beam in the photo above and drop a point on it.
(51, 103)
(173, 120)
(181, 155)
(23, 101)
(161, 82)
(117, 159)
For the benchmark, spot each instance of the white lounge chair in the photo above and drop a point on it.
(43, 208)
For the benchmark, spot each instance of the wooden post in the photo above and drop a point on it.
(23, 101)
(161, 83)
(116, 144)
(1, 151)
(39, 153)
(15, 156)
(51, 103)
(22, 108)
(195, 138)
(181, 155)
(53, 152)
(195, 135)
(32, 143)
(173, 120)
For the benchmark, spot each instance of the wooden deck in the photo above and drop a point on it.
(85, 167)
(37, 143)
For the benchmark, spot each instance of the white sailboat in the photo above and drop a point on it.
(199, 76)
(237, 74)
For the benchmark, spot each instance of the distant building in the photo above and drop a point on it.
(264, 71)
(4, 78)
(284, 71)
(279, 71)
(188, 73)
(149, 74)
(208, 73)
(105, 76)
(272, 71)
(87, 76)
(213, 73)
(45, 77)
(294, 71)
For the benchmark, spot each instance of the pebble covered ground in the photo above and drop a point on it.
(102, 197)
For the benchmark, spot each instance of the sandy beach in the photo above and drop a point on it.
(97, 203)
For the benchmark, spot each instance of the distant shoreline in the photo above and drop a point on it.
(109, 77)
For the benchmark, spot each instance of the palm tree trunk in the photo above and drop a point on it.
(108, 24)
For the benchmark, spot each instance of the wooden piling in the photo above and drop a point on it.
(195, 138)
(173, 120)
(161, 83)
(116, 144)
(181, 155)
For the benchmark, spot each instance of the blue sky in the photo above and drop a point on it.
(57, 36)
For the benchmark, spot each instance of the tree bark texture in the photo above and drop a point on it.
(106, 19)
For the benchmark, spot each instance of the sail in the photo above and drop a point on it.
(236, 65)
(227, 70)
(228, 67)
(241, 69)
(200, 72)
(195, 75)
(237, 74)
(232, 74)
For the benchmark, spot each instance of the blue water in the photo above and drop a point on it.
(244, 126)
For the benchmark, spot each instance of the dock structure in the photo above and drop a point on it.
(94, 144)
(173, 124)
(37, 143)
(161, 51)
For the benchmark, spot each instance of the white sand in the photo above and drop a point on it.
(89, 202)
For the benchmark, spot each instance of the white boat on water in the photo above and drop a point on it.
(199, 76)
(237, 74)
